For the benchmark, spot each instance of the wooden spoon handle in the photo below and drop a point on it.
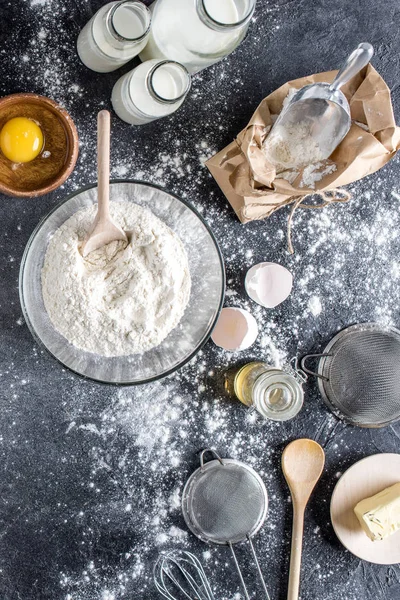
(103, 164)
(295, 553)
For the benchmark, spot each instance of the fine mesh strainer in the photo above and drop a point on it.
(359, 374)
(225, 502)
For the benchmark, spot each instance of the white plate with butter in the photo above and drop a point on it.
(364, 479)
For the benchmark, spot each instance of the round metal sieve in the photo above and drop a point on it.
(359, 375)
(225, 502)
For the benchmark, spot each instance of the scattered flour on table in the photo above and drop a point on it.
(314, 304)
(121, 299)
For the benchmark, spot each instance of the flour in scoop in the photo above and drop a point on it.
(121, 299)
(293, 145)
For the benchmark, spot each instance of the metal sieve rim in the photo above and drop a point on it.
(324, 360)
(190, 488)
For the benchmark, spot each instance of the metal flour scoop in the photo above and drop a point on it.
(316, 118)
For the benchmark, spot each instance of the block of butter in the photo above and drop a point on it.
(379, 515)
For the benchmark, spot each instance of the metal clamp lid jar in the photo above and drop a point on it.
(277, 394)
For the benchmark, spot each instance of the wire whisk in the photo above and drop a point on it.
(179, 575)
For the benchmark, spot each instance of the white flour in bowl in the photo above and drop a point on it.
(121, 299)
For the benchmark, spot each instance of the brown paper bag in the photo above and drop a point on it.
(249, 182)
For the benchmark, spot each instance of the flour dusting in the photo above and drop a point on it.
(314, 304)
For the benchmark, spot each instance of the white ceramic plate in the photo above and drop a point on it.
(364, 479)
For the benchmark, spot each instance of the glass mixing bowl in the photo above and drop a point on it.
(206, 298)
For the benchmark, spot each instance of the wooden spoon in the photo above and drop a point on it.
(103, 230)
(302, 464)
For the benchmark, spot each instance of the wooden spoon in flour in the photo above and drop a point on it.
(103, 230)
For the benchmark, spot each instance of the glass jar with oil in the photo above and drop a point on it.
(277, 394)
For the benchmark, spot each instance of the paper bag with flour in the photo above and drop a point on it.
(254, 188)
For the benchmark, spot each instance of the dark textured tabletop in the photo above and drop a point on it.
(91, 475)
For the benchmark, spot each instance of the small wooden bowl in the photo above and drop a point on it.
(58, 157)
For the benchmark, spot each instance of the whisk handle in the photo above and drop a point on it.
(357, 60)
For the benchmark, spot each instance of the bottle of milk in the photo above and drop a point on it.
(114, 35)
(197, 33)
(155, 89)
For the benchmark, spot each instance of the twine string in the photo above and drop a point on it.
(328, 197)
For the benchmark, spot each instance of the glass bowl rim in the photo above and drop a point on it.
(202, 342)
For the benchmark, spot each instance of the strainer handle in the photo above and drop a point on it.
(239, 570)
(314, 373)
(217, 456)
(261, 576)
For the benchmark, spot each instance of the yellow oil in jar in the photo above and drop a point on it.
(274, 392)
(244, 381)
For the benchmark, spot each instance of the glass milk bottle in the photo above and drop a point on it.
(197, 33)
(114, 35)
(153, 90)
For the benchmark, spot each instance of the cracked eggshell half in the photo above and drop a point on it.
(236, 329)
(268, 284)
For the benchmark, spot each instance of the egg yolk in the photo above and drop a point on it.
(21, 140)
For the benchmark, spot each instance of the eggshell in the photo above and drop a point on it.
(268, 284)
(236, 329)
